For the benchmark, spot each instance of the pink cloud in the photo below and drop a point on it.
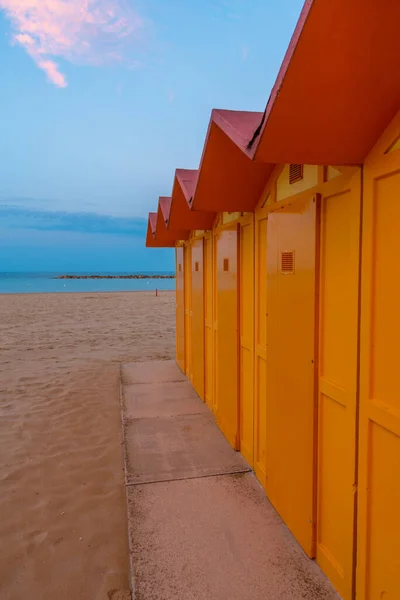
(52, 72)
(89, 32)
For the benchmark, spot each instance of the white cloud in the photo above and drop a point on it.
(91, 32)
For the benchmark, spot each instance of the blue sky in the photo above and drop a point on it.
(98, 109)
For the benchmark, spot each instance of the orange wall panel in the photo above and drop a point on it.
(246, 343)
(188, 310)
(290, 409)
(208, 321)
(180, 308)
(197, 309)
(337, 383)
(378, 553)
(227, 352)
(260, 347)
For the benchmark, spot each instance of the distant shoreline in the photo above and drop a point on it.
(115, 277)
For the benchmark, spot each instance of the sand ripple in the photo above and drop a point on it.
(62, 503)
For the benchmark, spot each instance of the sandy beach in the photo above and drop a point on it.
(63, 532)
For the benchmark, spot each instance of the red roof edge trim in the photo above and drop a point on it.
(239, 136)
(253, 143)
(187, 179)
(153, 222)
(190, 200)
(164, 203)
(237, 125)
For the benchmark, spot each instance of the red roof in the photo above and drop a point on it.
(151, 241)
(337, 90)
(165, 206)
(153, 222)
(187, 179)
(162, 233)
(338, 86)
(181, 216)
(228, 179)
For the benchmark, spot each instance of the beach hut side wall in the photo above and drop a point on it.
(180, 308)
(276, 422)
(378, 573)
(209, 320)
(188, 308)
(246, 337)
(197, 310)
(290, 408)
(226, 330)
(260, 344)
(337, 377)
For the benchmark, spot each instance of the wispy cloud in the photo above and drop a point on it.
(90, 32)
(15, 217)
(228, 10)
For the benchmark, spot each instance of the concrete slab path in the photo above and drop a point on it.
(200, 525)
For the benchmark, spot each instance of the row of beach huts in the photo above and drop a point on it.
(287, 242)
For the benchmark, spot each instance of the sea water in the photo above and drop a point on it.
(39, 283)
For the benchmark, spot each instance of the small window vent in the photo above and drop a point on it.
(287, 262)
(196, 266)
(226, 265)
(295, 173)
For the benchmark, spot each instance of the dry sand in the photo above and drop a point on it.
(63, 532)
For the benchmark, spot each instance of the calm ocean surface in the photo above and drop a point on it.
(39, 283)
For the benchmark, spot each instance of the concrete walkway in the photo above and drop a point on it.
(200, 525)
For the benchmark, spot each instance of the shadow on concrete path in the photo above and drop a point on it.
(200, 525)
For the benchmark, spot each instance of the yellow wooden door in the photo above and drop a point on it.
(227, 335)
(215, 322)
(378, 552)
(260, 348)
(337, 384)
(197, 360)
(180, 309)
(290, 410)
(188, 310)
(246, 346)
(208, 320)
